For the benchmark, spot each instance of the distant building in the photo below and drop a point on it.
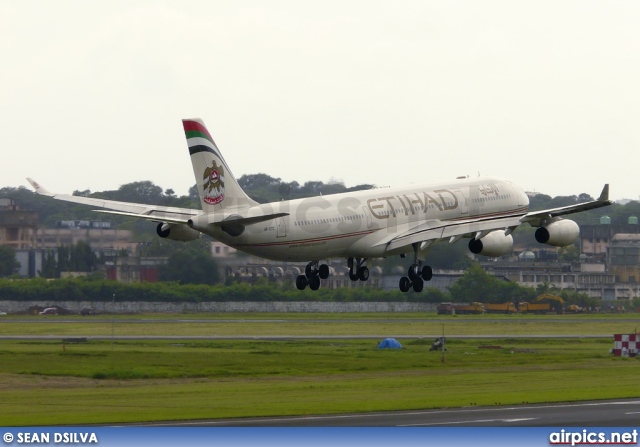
(220, 250)
(624, 258)
(592, 279)
(98, 235)
(595, 239)
(133, 269)
(31, 261)
(18, 228)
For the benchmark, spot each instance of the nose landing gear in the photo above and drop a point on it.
(357, 269)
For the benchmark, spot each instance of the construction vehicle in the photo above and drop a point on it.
(445, 309)
(471, 308)
(502, 308)
(543, 304)
(574, 308)
(538, 308)
(450, 308)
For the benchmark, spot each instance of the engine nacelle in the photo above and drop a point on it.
(177, 232)
(493, 244)
(559, 233)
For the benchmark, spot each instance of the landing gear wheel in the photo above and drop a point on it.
(323, 271)
(417, 273)
(363, 273)
(353, 276)
(413, 272)
(301, 282)
(309, 271)
(405, 283)
(314, 283)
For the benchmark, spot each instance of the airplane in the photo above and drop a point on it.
(355, 225)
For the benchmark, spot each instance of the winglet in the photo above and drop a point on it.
(604, 195)
(39, 189)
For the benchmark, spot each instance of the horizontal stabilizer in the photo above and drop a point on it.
(153, 216)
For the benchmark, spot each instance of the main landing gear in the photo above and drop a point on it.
(315, 271)
(417, 274)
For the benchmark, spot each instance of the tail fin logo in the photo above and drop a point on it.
(213, 186)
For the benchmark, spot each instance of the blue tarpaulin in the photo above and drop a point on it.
(390, 343)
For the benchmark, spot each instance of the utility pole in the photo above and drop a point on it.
(113, 320)
(442, 342)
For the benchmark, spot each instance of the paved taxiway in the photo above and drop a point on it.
(610, 413)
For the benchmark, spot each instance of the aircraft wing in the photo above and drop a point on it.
(149, 212)
(453, 230)
(434, 229)
(538, 218)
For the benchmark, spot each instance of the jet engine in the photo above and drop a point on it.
(177, 232)
(493, 244)
(559, 233)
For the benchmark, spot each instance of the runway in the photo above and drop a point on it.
(609, 413)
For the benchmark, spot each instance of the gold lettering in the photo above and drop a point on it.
(428, 199)
(419, 201)
(391, 209)
(372, 209)
(445, 204)
(406, 210)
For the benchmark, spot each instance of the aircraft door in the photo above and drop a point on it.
(282, 229)
(516, 192)
(367, 216)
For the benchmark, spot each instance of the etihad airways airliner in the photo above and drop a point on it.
(355, 225)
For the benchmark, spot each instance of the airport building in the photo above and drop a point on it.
(18, 228)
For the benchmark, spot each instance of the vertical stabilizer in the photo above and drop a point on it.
(217, 186)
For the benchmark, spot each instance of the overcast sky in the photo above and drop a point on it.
(546, 93)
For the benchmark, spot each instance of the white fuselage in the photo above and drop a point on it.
(358, 224)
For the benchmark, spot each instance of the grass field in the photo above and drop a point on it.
(266, 324)
(44, 382)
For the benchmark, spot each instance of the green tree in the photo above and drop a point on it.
(569, 254)
(475, 285)
(449, 256)
(137, 192)
(82, 258)
(190, 264)
(50, 267)
(75, 258)
(8, 263)
(478, 285)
